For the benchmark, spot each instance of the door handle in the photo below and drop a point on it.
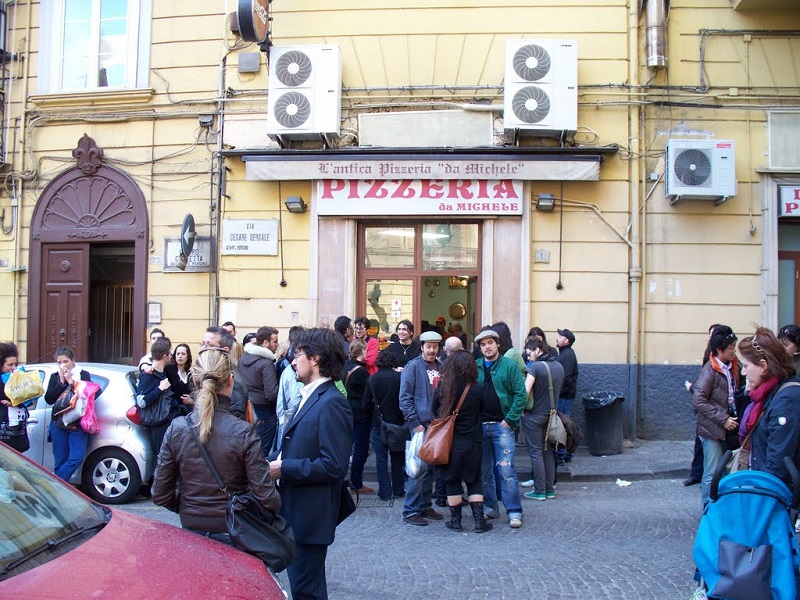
(33, 420)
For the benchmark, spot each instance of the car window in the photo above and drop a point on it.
(40, 516)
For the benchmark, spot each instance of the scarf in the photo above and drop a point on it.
(757, 397)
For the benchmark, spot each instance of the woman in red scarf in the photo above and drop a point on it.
(774, 413)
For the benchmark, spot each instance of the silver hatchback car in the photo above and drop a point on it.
(118, 458)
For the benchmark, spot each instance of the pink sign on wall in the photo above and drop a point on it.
(789, 199)
(453, 197)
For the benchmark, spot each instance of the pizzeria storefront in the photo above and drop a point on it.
(421, 236)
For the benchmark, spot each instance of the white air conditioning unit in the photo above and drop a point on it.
(700, 169)
(541, 86)
(305, 91)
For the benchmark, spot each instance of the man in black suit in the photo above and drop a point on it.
(314, 459)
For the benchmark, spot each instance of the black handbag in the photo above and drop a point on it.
(156, 413)
(394, 437)
(252, 528)
(16, 436)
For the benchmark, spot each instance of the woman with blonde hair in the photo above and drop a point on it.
(233, 445)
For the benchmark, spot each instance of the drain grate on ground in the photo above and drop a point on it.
(374, 502)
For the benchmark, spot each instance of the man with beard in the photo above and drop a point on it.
(313, 460)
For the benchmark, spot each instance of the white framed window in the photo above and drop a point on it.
(94, 45)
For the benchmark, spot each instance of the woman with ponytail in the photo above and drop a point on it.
(232, 444)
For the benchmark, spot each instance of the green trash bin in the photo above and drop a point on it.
(604, 420)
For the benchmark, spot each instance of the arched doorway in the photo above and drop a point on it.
(88, 265)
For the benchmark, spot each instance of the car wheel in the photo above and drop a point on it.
(111, 476)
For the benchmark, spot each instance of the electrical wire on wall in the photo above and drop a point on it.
(559, 285)
(280, 233)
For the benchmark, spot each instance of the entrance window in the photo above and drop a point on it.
(420, 272)
(388, 246)
(446, 246)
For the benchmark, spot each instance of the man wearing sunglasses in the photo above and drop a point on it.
(313, 460)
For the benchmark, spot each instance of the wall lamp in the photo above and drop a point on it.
(545, 202)
(295, 204)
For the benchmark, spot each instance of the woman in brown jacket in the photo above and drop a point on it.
(713, 399)
(233, 445)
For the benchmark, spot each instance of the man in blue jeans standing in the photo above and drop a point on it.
(504, 399)
(418, 381)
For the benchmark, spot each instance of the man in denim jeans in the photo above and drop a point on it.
(418, 381)
(503, 401)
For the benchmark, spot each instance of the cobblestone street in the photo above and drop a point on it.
(595, 541)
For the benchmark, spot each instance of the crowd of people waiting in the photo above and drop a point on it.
(307, 412)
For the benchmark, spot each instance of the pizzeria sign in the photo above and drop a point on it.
(444, 197)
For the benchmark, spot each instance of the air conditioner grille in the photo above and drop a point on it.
(292, 109)
(531, 104)
(693, 167)
(293, 68)
(531, 62)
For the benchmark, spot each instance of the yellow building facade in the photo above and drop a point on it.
(641, 193)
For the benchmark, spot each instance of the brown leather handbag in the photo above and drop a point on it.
(435, 448)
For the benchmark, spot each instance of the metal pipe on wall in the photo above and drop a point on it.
(656, 33)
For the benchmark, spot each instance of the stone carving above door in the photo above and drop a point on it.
(90, 200)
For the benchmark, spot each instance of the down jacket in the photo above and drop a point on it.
(710, 398)
(258, 374)
(235, 450)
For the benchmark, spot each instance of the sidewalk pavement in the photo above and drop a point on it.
(641, 459)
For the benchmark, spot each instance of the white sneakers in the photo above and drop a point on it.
(527, 483)
(515, 523)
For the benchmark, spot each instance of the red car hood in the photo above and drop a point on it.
(135, 558)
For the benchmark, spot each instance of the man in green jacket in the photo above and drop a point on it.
(503, 400)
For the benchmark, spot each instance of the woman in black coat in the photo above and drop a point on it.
(355, 381)
(458, 372)
(383, 392)
(178, 371)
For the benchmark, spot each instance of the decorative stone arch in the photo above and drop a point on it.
(91, 202)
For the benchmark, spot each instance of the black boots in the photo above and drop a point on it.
(481, 524)
(455, 518)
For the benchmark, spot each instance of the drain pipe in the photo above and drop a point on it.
(656, 34)
(632, 406)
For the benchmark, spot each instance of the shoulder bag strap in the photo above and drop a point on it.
(461, 400)
(207, 458)
(350, 372)
(550, 384)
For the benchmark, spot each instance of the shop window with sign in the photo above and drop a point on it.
(94, 45)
